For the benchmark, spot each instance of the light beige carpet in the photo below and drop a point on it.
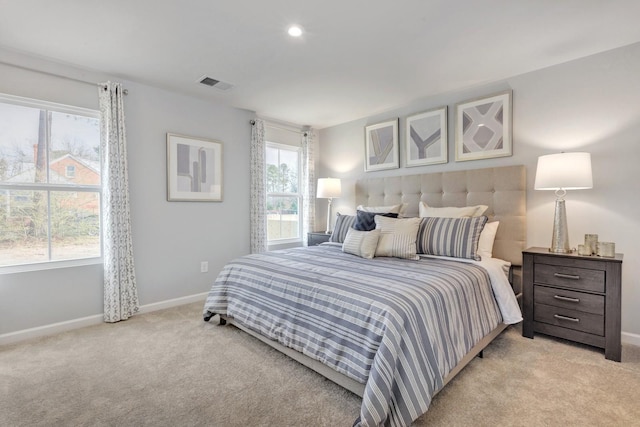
(169, 368)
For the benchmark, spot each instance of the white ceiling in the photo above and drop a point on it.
(356, 57)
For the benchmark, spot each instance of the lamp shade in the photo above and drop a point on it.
(329, 188)
(564, 171)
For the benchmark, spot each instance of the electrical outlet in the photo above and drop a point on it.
(204, 266)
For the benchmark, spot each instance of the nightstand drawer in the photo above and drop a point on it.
(571, 319)
(570, 277)
(572, 300)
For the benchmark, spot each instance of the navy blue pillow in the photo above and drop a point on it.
(365, 220)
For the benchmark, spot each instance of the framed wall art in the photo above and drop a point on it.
(426, 138)
(194, 169)
(483, 127)
(381, 146)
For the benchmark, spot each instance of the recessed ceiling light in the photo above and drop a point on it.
(295, 31)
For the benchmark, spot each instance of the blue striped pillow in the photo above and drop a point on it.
(343, 224)
(453, 237)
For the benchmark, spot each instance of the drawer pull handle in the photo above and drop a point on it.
(567, 276)
(568, 299)
(570, 319)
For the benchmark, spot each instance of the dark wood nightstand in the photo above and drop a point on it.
(315, 238)
(573, 297)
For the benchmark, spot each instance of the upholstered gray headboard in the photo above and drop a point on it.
(503, 189)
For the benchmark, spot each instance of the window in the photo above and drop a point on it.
(284, 200)
(49, 182)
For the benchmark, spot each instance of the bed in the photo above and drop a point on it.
(392, 329)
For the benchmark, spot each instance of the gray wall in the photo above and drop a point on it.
(591, 104)
(170, 238)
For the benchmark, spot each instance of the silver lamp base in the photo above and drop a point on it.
(560, 239)
(328, 231)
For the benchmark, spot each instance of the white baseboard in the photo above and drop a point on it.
(629, 338)
(147, 308)
(54, 328)
(68, 325)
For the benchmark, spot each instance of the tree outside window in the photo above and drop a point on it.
(283, 197)
(50, 182)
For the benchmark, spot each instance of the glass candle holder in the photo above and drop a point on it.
(584, 250)
(591, 241)
(607, 249)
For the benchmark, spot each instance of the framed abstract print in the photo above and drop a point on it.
(194, 169)
(381, 146)
(483, 127)
(426, 138)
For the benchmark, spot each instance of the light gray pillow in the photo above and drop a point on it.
(397, 237)
(361, 243)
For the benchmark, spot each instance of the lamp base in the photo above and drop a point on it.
(328, 231)
(560, 238)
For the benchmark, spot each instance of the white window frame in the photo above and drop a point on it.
(298, 150)
(49, 188)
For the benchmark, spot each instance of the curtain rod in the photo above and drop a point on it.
(48, 73)
(266, 124)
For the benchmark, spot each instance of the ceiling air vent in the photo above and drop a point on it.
(214, 83)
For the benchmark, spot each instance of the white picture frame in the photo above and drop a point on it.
(426, 138)
(483, 127)
(381, 146)
(194, 169)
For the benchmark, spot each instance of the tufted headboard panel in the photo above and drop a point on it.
(503, 189)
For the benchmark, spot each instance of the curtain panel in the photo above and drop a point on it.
(308, 185)
(258, 231)
(120, 291)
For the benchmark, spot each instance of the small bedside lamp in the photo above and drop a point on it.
(328, 188)
(562, 172)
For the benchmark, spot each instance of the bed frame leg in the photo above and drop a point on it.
(208, 315)
(481, 354)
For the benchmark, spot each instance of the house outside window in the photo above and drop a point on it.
(50, 182)
(284, 197)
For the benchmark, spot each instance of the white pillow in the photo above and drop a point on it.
(361, 243)
(397, 237)
(487, 237)
(397, 209)
(451, 211)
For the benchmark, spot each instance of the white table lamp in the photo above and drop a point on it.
(562, 172)
(328, 188)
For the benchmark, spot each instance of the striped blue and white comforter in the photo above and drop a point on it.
(397, 325)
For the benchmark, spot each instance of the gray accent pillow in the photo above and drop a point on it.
(452, 237)
(343, 224)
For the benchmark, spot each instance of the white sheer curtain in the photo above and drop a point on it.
(120, 292)
(258, 190)
(308, 185)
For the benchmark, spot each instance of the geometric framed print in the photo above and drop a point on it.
(194, 169)
(426, 138)
(381, 146)
(483, 127)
